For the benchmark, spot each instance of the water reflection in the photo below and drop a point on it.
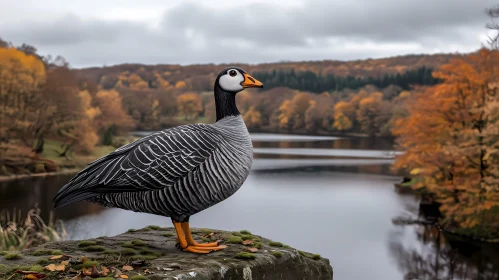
(438, 257)
(25, 193)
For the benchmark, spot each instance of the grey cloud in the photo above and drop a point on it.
(196, 33)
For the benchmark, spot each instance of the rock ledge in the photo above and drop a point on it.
(152, 253)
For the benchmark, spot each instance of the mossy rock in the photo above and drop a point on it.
(158, 250)
(234, 239)
(86, 243)
(13, 256)
(245, 256)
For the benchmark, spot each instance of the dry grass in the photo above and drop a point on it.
(18, 232)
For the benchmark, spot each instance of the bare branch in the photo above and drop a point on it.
(493, 13)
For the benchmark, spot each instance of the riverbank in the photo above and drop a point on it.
(150, 253)
(429, 211)
(6, 178)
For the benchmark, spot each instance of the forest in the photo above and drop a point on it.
(54, 117)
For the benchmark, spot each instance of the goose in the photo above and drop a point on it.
(176, 172)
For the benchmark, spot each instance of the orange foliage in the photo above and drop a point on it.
(190, 105)
(450, 137)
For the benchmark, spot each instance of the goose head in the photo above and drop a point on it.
(235, 79)
(230, 81)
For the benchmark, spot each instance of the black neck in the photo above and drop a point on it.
(225, 103)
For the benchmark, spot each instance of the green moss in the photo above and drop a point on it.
(57, 252)
(275, 244)
(95, 248)
(42, 262)
(86, 243)
(168, 234)
(234, 239)
(37, 268)
(303, 253)
(277, 254)
(42, 252)
(137, 242)
(128, 244)
(111, 252)
(316, 257)
(236, 233)
(206, 230)
(153, 227)
(13, 256)
(138, 277)
(131, 230)
(149, 252)
(143, 257)
(286, 246)
(245, 232)
(129, 252)
(258, 245)
(86, 264)
(245, 256)
(3, 253)
(246, 236)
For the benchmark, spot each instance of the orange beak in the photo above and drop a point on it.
(250, 82)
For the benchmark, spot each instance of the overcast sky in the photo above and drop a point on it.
(107, 32)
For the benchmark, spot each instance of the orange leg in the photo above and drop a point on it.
(183, 243)
(213, 246)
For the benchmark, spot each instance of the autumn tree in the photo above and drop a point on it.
(252, 118)
(493, 13)
(449, 138)
(189, 104)
(109, 103)
(368, 112)
(343, 116)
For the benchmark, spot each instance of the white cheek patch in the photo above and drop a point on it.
(229, 83)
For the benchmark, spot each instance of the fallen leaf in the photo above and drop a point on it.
(123, 276)
(84, 259)
(30, 277)
(104, 270)
(55, 257)
(65, 262)
(86, 271)
(253, 250)
(248, 242)
(31, 274)
(60, 267)
(147, 271)
(50, 267)
(127, 268)
(222, 246)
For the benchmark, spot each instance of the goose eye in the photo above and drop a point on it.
(232, 73)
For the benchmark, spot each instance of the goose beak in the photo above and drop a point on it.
(250, 82)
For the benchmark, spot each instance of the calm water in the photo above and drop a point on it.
(327, 195)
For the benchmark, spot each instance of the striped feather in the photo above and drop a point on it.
(176, 172)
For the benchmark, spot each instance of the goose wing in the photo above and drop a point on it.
(154, 162)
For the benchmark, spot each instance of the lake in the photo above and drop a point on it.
(327, 195)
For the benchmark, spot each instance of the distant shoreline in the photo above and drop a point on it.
(6, 178)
